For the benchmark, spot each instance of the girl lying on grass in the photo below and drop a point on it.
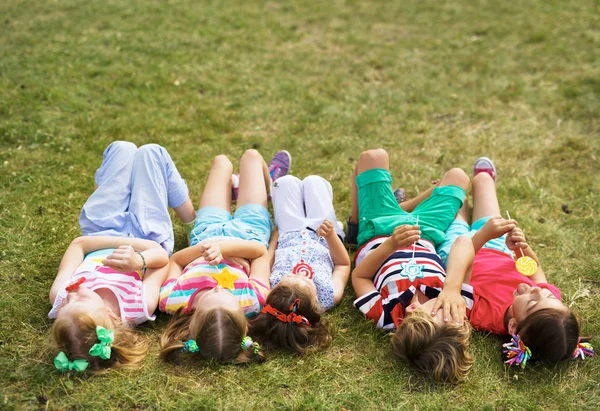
(310, 266)
(505, 301)
(109, 278)
(396, 292)
(223, 276)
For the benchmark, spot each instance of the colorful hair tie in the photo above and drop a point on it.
(75, 285)
(583, 350)
(62, 363)
(190, 345)
(103, 348)
(248, 343)
(291, 318)
(516, 352)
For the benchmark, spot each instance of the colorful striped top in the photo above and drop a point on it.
(178, 294)
(395, 288)
(127, 287)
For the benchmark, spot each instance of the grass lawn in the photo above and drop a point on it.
(436, 83)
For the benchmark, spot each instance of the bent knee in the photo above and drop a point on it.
(150, 149)
(121, 146)
(377, 154)
(482, 178)
(222, 161)
(457, 176)
(251, 154)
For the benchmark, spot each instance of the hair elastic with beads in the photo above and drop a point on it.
(75, 285)
(291, 318)
(248, 343)
(190, 346)
(516, 352)
(583, 350)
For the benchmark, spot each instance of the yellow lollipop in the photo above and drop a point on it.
(525, 265)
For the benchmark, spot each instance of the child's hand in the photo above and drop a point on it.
(453, 304)
(405, 235)
(496, 227)
(326, 230)
(211, 252)
(124, 259)
(516, 239)
(242, 262)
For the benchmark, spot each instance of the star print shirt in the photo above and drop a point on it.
(296, 246)
(178, 294)
(396, 286)
(127, 287)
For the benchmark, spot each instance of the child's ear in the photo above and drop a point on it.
(512, 326)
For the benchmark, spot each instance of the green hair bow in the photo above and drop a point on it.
(102, 349)
(62, 363)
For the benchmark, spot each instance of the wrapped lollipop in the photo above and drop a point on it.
(411, 269)
(525, 265)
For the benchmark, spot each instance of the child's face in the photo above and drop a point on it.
(427, 306)
(82, 301)
(527, 300)
(295, 280)
(218, 297)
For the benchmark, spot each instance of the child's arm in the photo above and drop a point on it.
(493, 228)
(83, 245)
(214, 252)
(340, 258)
(362, 276)
(412, 203)
(515, 240)
(260, 268)
(153, 279)
(273, 246)
(460, 260)
(126, 258)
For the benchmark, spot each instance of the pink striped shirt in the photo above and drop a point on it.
(127, 287)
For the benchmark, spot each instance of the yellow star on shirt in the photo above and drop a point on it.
(225, 279)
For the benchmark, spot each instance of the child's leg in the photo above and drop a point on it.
(459, 226)
(217, 191)
(354, 210)
(254, 180)
(318, 202)
(252, 220)
(156, 186)
(378, 210)
(215, 203)
(485, 205)
(288, 204)
(105, 211)
(485, 200)
(437, 212)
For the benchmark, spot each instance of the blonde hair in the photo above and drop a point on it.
(218, 332)
(438, 350)
(76, 336)
(274, 333)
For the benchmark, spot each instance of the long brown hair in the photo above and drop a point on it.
(550, 334)
(438, 350)
(218, 332)
(76, 337)
(274, 333)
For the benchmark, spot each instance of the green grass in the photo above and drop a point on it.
(435, 83)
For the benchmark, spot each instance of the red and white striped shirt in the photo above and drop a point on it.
(127, 287)
(395, 288)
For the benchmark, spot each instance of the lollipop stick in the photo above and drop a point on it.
(413, 246)
(522, 253)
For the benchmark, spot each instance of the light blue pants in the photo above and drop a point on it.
(136, 187)
(459, 227)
